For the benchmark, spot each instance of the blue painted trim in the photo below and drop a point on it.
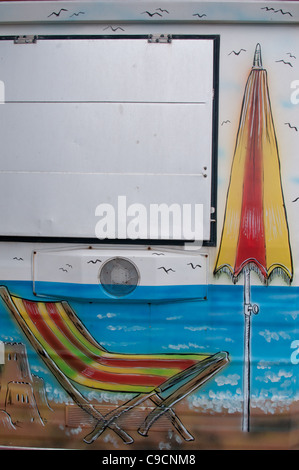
(89, 292)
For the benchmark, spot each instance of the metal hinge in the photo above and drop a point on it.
(160, 38)
(30, 39)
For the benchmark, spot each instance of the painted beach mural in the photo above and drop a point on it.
(204, 355)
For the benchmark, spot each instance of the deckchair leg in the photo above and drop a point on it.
(109, 419)
(168, 411)
(157, 413)
(165, 405)
(175, 420)
(115, 414)
(100, 428)
(150, 419)
(178, 425)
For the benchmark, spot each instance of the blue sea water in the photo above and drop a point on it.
(211, 325)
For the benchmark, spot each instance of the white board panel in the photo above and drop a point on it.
(106, 138)
(88, 121)
(107, 70)
(64, 204)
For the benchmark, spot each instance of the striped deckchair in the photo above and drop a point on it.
(74, 357)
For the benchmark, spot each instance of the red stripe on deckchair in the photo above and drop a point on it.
(77, 364)
(180, 364)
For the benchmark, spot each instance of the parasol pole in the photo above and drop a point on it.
(248, 310)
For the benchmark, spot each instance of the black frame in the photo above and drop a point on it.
(214, 177)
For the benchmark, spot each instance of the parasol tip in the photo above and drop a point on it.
(257, 60)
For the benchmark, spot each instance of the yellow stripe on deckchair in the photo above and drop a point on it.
(69, 346)
(32, 328)
(103, 353)
(63, 366)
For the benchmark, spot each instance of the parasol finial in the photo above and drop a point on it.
(257, 60)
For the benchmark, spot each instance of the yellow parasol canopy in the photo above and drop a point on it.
(255, 230)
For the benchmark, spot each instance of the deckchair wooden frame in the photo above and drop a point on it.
(163, 397)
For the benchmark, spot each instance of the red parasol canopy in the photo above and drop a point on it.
(255, 230)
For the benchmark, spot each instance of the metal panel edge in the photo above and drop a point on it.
(70, 12)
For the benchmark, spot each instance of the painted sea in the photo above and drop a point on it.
(211, 325)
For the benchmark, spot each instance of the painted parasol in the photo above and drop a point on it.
(255, 233)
